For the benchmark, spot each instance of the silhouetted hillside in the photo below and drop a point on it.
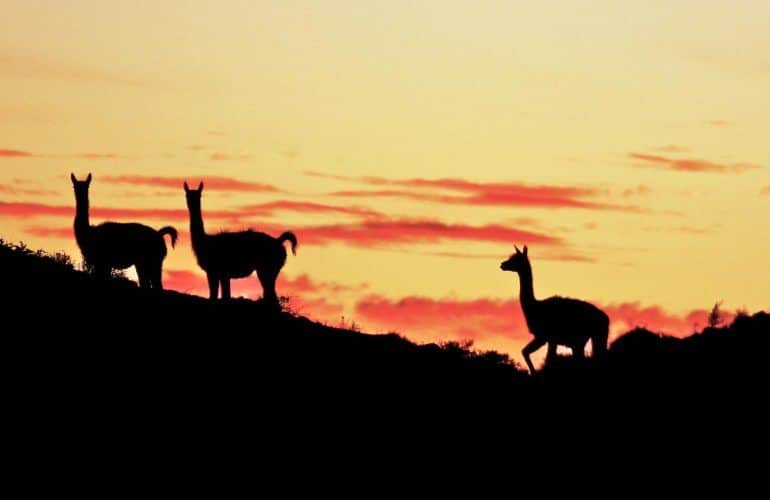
(71, 326)
(77, 341)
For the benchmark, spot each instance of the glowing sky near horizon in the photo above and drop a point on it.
(410, 145)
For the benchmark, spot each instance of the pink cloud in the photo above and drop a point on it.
(374, 233)
(306, 296)
(210, 182)
(689, 165)
(16, 153)
(366, 234)
(62, 233)
(269, 208)
(463, 192)
(15, 190)
(29, 210)
(428, 319)
(229, 157)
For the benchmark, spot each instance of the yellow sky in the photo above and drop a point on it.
(554, 93)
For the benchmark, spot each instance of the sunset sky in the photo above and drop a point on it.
(410, 145)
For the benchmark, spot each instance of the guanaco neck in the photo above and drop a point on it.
(82, 222)
(197, 232)
(526, 289)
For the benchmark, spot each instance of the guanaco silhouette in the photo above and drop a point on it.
(231, 255)
(556, 320)
(114, 245)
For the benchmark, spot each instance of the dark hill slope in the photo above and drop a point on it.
(111, 339)
(74, 343)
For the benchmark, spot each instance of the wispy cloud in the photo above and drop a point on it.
(16, 153)
(16, 190)
(270, 208)
(210, 182)
(59, 233)
(382, 233)
(765, 190)
(306, 295)
(672, 148)
(463, 192)
(684, 229)
(369, 233)
(640, 190)
(32, 210)
(688, 164)
(229, 157)
(29, 66)
(553, 256)
(99, 156)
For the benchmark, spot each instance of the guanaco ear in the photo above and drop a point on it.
(88, 179)
(525, 250)
(517, 249)
(186, 187)
(200, 187)
(73, 178)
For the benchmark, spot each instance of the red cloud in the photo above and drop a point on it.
(62, 233)
(211, 182)
(689, 165)
(27, 210)
(480, 194)
(24, 210)
(303, 285)
(367, 234)
(16, 153)
(267, 209)
(15, 191)
(557, 256)
(628, 315)
(374, 233)
(429, 319)
(306, 296)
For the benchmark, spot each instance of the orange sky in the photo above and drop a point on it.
(409, 145)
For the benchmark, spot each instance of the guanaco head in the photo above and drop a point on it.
(193, 196)
(516, 262)
(80, 187)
